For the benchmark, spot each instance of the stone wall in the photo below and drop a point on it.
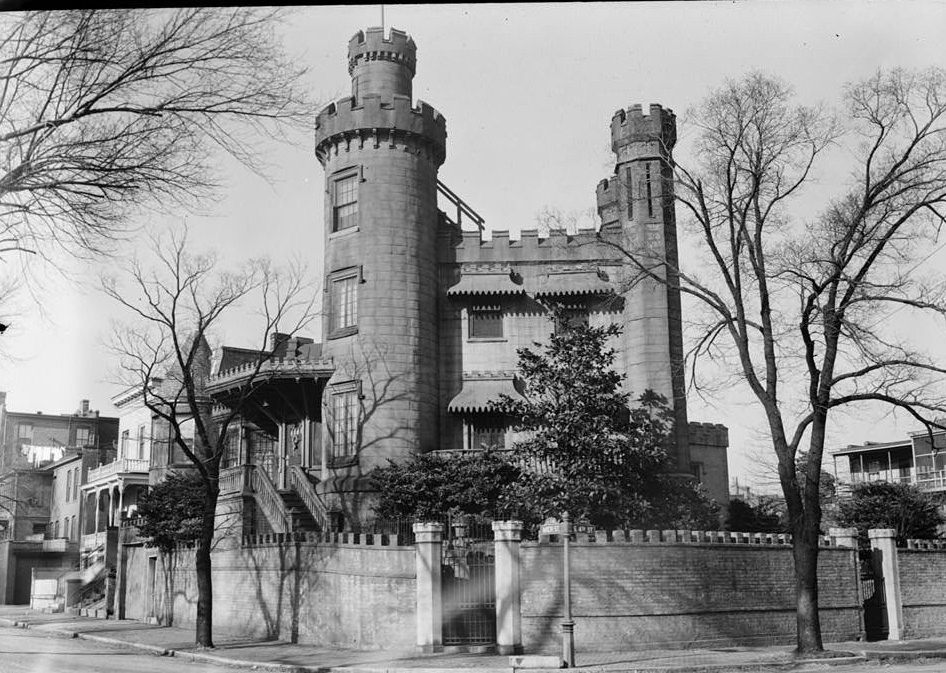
(678, 595)
(332, 594)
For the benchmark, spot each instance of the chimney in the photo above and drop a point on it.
(84, 408)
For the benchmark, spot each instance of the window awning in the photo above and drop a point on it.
(575, 282)
(477, 393)
(487, 283)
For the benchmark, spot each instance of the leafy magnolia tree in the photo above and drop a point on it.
(799, 310)
(596, 457)
(174, 302)
(171, 511)
(106, 111)
(911, 512)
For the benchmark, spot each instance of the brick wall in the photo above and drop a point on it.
(679, 595)
(337, 595)
(923, 591)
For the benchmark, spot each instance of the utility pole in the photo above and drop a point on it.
(568, 625)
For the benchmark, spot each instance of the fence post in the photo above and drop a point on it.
(844, 537)
(884, 551)
(507, 536)
(429, 540)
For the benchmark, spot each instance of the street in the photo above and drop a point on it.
(31, 651)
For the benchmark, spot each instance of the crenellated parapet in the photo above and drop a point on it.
(348, 124)
(557, 244)
(371, 45)
(709, 434)
(631, 127)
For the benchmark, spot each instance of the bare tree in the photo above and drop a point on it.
(103, 112)
(175, 304)
(801, 309)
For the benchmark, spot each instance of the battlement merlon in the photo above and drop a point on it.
(373, 114)
(708, 434)
(371, 45)
(635, 135)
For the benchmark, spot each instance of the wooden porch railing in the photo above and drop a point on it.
(299, 482)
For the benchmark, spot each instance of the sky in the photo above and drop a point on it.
(528, 92)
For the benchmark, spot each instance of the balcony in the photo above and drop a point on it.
(59, 544)
(932, 481)
(118, 467)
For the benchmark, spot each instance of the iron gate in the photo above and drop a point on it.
(875, 601)
(469, 584)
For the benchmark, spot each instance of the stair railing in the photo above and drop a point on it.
(300, 483)
(269, 500)
(463, 208)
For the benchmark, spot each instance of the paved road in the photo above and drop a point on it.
(30, 651)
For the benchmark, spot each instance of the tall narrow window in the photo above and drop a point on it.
(141, 441)
(649, 187)
(124, 444)
(68, 484)
(75, 484)
(629, 184)
(345, 202)
(343, 301)
(82, 437)
(486, 322)
(345, 420)
(24, 432)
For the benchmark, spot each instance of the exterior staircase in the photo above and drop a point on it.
(300, 519)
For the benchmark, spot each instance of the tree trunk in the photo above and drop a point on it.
(202, 564)
(807, 618)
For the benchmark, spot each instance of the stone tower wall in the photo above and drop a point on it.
(396, 149)
(637, 204)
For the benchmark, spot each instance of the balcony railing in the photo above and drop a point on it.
(932, 481)
(120, 466)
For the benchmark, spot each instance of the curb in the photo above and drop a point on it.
(860, 657)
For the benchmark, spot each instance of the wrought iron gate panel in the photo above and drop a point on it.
(469, 584)
(874, 597)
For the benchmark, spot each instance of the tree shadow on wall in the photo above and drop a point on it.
(380, 388)
(283, 574)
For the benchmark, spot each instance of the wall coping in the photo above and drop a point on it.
(687, 537)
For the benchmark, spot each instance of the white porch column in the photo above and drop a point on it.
(429, 539)
(507, 536)
(883, 546)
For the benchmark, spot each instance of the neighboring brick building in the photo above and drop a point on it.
(43, 461)
(423, 318)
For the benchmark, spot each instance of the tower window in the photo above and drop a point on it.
(345, 202)
(343, 303)
(486, 322)
(345, 406)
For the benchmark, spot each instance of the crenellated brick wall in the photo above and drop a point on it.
(656, 591)
(355, 594)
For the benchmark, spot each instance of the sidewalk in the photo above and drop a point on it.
(295, 658)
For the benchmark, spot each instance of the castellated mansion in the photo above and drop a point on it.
(423, 317)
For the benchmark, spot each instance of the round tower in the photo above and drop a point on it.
(381, 154)
(639, 200)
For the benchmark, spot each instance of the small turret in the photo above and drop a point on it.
(380, 66)
(635, 135)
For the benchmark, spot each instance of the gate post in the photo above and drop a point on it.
(507, 536)
(429, 539)
(884, 550)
